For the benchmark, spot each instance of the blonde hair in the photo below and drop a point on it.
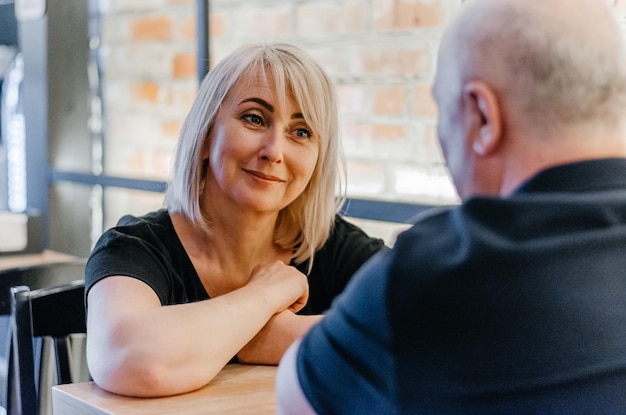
(305, 224)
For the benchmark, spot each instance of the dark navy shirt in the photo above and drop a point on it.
(500, 305)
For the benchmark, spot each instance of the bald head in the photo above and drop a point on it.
(523, 85)
(555, 62)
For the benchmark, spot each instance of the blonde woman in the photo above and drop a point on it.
(249, 234)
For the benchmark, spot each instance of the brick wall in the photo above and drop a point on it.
(380, 53)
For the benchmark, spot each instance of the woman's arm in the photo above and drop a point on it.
(269, 345)
(137, 347)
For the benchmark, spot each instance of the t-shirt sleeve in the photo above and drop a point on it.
(120, 253)
(343, 362)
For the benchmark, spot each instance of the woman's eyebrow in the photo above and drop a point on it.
(259, 101)
(270, 107)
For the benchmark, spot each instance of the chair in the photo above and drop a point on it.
(35, 277)
(38, 276)
(56, 312)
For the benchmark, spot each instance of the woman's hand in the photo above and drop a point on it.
(281, 284)
(290, 289)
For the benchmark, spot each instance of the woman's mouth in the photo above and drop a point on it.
(264, 176)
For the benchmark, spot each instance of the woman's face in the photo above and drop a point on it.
(261, 156)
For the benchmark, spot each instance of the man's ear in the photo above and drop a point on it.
(483, 109)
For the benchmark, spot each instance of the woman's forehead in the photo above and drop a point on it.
(262, 84)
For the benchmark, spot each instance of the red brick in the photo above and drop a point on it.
(146, 92)
(389, 100)
(432, 148)
(258, 23)
(394, 62)
(171, 128)
(188, 31)
(409, 14)
(389, 132)
(184, 65)
(216, 25)
(328, 18)
(152, 28)
(423, 103)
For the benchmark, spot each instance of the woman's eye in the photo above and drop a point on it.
(253, 119)
(303, 133)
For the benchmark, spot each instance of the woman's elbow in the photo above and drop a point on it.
(137, 374)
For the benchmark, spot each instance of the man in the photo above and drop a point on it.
(514, 301)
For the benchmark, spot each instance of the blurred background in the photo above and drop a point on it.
(95, 93)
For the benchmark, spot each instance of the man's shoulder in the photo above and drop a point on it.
(429, 224)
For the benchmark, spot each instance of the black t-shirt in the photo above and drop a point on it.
(147, 248)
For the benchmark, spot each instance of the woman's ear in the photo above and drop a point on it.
(484, 109)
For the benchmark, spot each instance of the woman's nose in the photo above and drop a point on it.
(272, 146)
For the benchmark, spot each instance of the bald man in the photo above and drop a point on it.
(514, 301)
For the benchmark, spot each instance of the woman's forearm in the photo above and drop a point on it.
(137, 347)
(169, 350)
(269, 345)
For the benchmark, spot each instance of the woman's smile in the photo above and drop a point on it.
(264, 177)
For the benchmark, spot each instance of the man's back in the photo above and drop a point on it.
(499, 306)
(522, 304)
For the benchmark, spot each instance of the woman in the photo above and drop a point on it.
(250, 210)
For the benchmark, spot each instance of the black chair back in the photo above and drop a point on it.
(35, 277)
(38, 276)
(56, 312)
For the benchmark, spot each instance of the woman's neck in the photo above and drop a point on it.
(236, 233)
(224, 257)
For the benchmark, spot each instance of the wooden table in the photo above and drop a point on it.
(237, 389)
(27, 260)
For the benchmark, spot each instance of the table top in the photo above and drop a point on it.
(26, 260)
(43, 270)
(237, 389)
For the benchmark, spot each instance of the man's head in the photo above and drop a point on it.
(523, 85)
